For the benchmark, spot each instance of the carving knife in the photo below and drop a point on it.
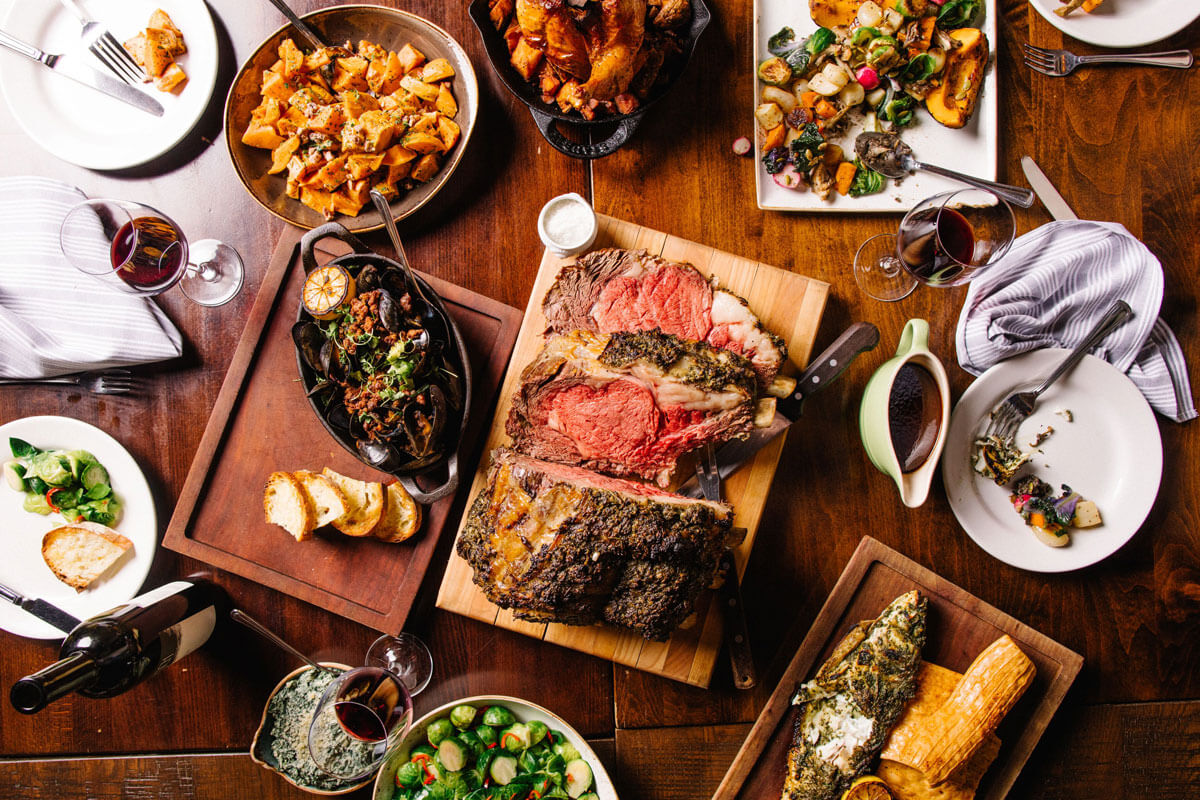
(72, 67)
(1051, 199)
(40, 609)
(824, 369)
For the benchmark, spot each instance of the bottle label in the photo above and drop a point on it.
(186, 635)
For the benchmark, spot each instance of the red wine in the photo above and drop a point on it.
(914, 415)
(937, 244)
(148, 253)
(113, 652)
(370, 702)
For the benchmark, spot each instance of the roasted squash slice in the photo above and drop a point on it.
(831, 13)
(952, 102)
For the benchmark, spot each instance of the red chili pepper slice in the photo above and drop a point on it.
(50, 498)
(506, 736)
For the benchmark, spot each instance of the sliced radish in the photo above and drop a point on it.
(868, 77)
(741, 146)
(790, 178)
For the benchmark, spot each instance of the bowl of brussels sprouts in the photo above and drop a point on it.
(492, 746)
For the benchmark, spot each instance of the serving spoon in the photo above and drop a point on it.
(262, 630)
(432, 311)
(308, 33)
(889, 156)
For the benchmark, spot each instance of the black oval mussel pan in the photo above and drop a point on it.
(384, 377)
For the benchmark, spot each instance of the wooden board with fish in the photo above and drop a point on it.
(790, 306)
(958, 628)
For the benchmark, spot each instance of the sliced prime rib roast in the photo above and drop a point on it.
(556, 543)
(630, 403)
(630, 290)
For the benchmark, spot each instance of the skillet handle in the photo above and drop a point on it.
(444, 490)
(309, 241)
(545, 124)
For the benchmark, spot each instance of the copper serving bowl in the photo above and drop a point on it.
(387, 27)
(546, 114)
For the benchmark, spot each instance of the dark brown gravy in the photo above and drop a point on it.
(914, 415)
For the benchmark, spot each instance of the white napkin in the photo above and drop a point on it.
(1054, 284)
(55, 320)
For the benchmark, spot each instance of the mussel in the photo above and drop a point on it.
(368, 279)
(392, 314)
(309, 339)
(381, 455)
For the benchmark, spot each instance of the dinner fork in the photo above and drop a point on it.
(104, 46)
(113, 381)
(1057, 63)
(1009, 415)
(708, 475)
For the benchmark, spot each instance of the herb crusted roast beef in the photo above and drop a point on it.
(560, 544)
(613, 290)
(629, 403)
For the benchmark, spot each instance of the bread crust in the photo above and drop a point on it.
(401, 518)
(76, 579)
(285, 504)
(365, 501)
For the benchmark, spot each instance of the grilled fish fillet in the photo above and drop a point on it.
(855, 698)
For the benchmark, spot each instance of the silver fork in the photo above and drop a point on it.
(1015, 408)
(104, 46)
(113, 381)
(1057, 63)
(708, 475)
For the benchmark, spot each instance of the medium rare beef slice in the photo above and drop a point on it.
(629, 403)
(612, 290)
(560, 544)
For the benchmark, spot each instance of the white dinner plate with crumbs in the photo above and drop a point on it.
(971, 149)
(1123, 23)
(1110, 452)
(83, 126)
(22, 567)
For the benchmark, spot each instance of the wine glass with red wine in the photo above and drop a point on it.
(365, 712)
(139, 250)
(944, 240)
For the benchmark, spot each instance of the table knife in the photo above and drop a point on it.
(71, 66)
(824, 369)
(40, 609)
(1051, 199)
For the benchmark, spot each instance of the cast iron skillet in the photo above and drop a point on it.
(458, 357)
(545, 114)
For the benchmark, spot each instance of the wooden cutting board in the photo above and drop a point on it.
(788, 304)
(960, 625)
(262, 422)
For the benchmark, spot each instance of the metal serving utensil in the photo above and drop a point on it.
(308, 33)
(888, 155)
(239, 616)
(113, 381)
(1057, 63)
(1015, 408)
(105, 47)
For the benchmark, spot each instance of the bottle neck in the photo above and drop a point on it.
(33, 693)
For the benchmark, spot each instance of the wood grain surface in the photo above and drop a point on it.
(790, 306)
(1120, 144)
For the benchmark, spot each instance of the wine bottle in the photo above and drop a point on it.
(112, 652)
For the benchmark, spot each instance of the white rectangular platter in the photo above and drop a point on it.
(971, 149)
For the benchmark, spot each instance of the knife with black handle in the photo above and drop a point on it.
(823, 370)
(40, 609)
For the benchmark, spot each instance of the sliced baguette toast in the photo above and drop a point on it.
(401, 515)
(286, 505)
(80, 553)
(326, 497)
(364, 501)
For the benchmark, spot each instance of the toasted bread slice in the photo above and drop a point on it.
(1087, 514)
(80, 553)
(364, 502)
(327, 499)
(401, 515)
(287, 505)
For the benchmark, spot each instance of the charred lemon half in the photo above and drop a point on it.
(325, 289)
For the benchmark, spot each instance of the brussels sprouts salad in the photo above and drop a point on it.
(72, 483)
(475, 754)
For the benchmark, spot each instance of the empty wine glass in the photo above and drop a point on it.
(139, 250)
(365, 712)
(945, 240)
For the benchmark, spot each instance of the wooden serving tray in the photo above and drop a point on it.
(262, 422)
(960, 626)
(788, 304)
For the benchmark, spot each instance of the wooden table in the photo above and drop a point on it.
(1121, 144)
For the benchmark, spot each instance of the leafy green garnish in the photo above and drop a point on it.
(818, 41)
(866, 181)
(21, 448)
(958, 13)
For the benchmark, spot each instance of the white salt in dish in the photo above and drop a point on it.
(567, 225)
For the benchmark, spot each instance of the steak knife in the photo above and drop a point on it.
(1051, 199)
(40, 609)
(71, 66)
(825, 368)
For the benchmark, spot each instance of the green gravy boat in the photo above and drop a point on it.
(905, 413)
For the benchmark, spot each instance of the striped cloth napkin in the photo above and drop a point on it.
(55, 320)
(1054, 284)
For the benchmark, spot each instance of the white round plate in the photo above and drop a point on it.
(22, 567)
(82, 126)
(523, 710)
(1123, 23)
(1111, 454)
